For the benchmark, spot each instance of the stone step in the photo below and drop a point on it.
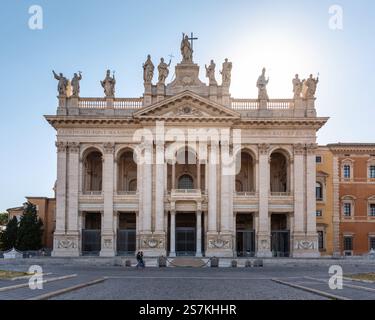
(187, 262)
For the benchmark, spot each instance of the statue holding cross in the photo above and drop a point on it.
(187, 48)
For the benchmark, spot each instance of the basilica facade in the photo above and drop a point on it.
(187, 169)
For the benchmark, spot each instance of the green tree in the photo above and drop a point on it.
(8, 238)
(30, 229)
(4, 218)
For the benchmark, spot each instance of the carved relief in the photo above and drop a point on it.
(153, 243)
(219, 243)
(67, 244)
(109, 147)
(188, 111)
(311, 148)
(305, 245)
(108, 244)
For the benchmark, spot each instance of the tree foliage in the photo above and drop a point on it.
(8, 238)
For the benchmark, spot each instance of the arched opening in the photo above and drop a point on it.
(93, 172)
(187, 173)
(185, 182)
(279, 173)
(245, 176)
(126, 173)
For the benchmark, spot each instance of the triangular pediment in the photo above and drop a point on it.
(186, 105)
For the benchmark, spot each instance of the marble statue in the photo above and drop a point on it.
(186, 49)
(210, 73)
(75, 83)
(109, 84)
(148, 70)
(310, 86)
(163, 70)
(297, 87)
(62, 84)
(262, 86)
(226, 73)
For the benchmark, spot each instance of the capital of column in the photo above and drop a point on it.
(264, 148)
(299, 149)
(311, 148)
(61, 146)
(73, 147)
(109, 147)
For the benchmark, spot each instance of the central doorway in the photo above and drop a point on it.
(186, 238)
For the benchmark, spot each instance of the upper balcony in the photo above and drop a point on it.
(186, 194)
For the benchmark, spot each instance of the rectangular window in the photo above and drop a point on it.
(318, 159)
(372, 172)
(347, 172)
(347, 209)
(372, 243)
(319, 213)
(348, 243)
(321, 240)
(372, 210)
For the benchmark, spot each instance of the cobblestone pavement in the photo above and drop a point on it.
(190, 284)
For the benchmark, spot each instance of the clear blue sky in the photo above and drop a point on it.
(287, 37)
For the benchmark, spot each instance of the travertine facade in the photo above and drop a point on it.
(110, 202)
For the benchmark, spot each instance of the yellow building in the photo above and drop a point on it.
(324, 200)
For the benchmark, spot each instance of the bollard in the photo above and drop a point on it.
(248, 264)
(258, 263)
(128, 263)
(214, 262)
(234, 263)
(162, 262)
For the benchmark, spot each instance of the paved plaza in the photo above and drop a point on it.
(276, 281)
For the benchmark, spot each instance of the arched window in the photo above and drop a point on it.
(126, 172)
(185, 182)
(93, 171)
(245, 174)
(279, 173)
(319, 191)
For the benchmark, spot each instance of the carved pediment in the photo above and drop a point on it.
(186, 105)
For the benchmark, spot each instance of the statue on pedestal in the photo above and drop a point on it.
(109, 84)
(226, 73)
(210, 73)
(163, 70)
(262, 86)
(148, 70)
(310, 86)
(62, 84)
(186, 50)
(75, 83)
(297, 87)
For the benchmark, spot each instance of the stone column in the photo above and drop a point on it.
(172, 252)
(299, 193)
(73, 179)
(199, 233)
(159, 200)
(212, 190)
(59, 234)
(311, 233)
(264, 232)
(147, 191)
(198, 174)
(108, 234)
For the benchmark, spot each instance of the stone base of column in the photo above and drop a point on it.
(108, 245)
(66, 245)
(153, 244)
(305, 246)
(264, 246)
(219, 245)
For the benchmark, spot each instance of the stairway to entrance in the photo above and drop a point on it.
(188, 262)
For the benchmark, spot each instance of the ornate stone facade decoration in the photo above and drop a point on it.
(73, 147)
(67, 244)
(299, 149)
(109, 84)
(264, 148)
(61, 146)
(262, 86)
